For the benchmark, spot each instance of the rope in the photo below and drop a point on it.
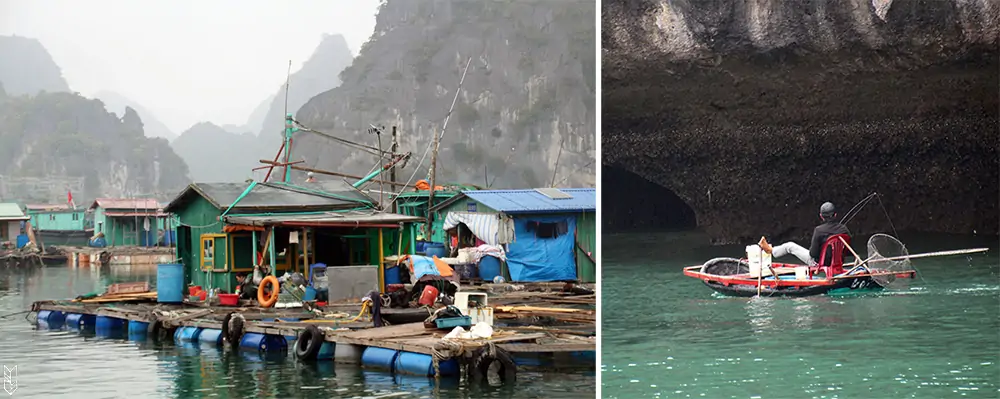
(887, 217)
(198, 227)
(14, 314)
(454, 349)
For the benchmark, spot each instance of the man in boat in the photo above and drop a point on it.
(829, 227)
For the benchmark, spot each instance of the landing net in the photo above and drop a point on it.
(887, 254)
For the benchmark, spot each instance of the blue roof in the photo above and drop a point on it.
(525, 201)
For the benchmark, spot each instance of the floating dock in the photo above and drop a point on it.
(331, 333)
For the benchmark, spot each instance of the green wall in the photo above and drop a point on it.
(202, 218)
(66, 220)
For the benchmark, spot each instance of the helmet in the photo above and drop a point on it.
(827, 210)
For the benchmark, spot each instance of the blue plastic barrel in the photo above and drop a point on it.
(22, 240)
(109, 323)
(80, 321)
(380, 358)
(187, 334)
(435, 248)
(392, 275)
(421, 364)
(210, 336)
(489, 267)
(421, 246)
(263, 342)
(50, 319)
(135, 327)
(170, 283)
(326, 351)
(467, 271)
(310, 294)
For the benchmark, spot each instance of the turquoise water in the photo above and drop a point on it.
(52, 364)
(665, 335)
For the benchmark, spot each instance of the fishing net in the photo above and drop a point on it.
(726, 267)
(887, 254)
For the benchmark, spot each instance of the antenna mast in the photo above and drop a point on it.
(437, 143)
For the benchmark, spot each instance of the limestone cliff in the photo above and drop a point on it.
(54, 141)
(529, 91)
(27, 68)
(152, 126)
(752, 113)
(215, 155)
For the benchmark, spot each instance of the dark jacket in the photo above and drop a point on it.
(821, 233)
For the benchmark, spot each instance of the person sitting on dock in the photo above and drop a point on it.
(829, 227)
(245, 287)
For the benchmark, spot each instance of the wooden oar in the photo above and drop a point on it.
(925, 255)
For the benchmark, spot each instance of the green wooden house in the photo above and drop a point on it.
(416, 203)
(549, 234)
(227, 228)
(60, 224)
(127, 221)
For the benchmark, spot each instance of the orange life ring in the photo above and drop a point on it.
(271, 299)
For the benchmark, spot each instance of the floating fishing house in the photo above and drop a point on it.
(128, 221)
(12, 220)
(227, 228)
(549, 234)
(417, 203)
(61, 224)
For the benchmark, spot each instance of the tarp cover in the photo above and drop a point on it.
(530, 258)
(423, 265)
(492, 228)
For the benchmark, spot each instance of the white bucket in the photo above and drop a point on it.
(760, 261)
(802, 272)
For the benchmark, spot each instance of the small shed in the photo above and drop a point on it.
(549, 234)
(127, 221)
(11, 220)
(227, 228)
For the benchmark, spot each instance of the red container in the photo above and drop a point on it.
(429, 295)
(202, 295)
(320, 303)
(229, 299)
(394, 288)
(194, 290)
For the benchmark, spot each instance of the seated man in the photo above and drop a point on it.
(245, 286)
(829, 227)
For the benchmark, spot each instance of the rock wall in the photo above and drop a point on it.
(756, 112)
(529, 91)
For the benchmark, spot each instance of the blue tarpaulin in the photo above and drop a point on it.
(531, 258)
(422, 266)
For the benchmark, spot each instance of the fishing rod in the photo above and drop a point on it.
(923, 255)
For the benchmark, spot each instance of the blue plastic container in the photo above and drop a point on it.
(380, 358)
(421, 364)
(435, 248)
(79, 321)
(170, 283)
(310, 294)
(135, 327)
(50, 319)
(326, 351)
(467, 271)
(392, 275)
(421, 246)
(263, 342)
(187, 334)
(210, 336)
(22, 240)
(105, 323)
(489, 267)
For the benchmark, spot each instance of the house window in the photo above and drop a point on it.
(213, 252)
(76, 216)
(52, 217)
(472, 207)
(548, 229)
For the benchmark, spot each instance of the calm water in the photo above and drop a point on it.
(668, 336)
(70, 364)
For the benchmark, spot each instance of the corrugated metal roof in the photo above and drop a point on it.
(525, 201)
(126, 203)
(44, 207)
(329, 195)
(360, 218)
(11, 211)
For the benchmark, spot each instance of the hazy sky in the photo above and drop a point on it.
(185, 60)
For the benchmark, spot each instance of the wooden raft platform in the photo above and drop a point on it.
(412, 337)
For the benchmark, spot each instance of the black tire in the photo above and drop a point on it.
(481, 367)
(309, 342)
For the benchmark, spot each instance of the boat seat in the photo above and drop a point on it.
(833, 265)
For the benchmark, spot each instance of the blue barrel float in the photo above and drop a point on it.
(435, 248)
(137, 330)
(50, 318)
(489, 267)
(109, 326)
(79, 321)
(170, 283)
(210, 336)
(263, 342)
(187, 334)
(380, 358)
(423, 365)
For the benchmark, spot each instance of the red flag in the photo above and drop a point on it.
(69, 195)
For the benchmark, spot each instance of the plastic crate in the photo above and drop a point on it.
(452, 322)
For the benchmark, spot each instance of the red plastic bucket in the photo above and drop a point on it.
(229, 299)
(194, 290)
(429, 295)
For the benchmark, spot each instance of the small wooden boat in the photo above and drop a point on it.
(730, 276)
